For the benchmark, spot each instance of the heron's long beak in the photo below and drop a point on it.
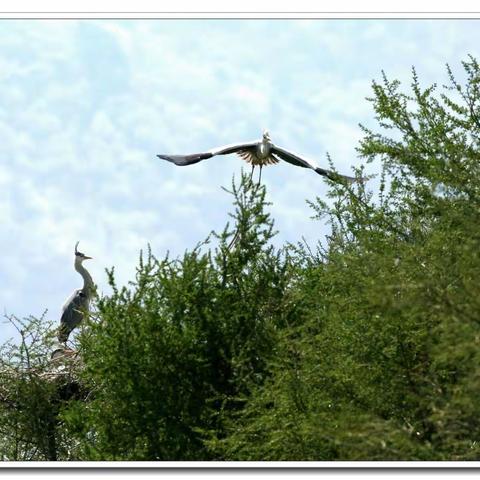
(87, 258)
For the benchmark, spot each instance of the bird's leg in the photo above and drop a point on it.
(251, 173)
(260, 176)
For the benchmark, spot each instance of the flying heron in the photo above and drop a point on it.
(258, 153)
(78, 302)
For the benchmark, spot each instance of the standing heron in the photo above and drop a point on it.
(259, 153)
(78, 302)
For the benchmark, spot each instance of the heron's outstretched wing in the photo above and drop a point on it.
(301, 162)
(183, 160)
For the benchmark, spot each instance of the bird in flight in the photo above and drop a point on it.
(258, 153)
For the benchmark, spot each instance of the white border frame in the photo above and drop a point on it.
(236, 9)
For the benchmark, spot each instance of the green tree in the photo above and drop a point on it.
(33, 391)
(169, 356)
(385, 365)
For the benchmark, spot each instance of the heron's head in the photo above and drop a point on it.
(79, 256)
(266, 135)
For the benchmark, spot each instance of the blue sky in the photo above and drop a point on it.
(85, 105)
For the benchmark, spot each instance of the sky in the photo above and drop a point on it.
(85, 106)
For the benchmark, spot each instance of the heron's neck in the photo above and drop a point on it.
(87, 279)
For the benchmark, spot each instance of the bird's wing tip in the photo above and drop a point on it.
(168, 158)
(352, 180)
(335, 176)
(362, 180)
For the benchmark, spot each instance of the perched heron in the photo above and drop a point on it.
(78, 302)
(259, 153)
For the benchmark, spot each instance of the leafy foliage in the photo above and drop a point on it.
(32, 393)
(183, 343)
(385, 367)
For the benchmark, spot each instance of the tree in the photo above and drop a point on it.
(168, 357)
(385, 366)
(33, 391)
